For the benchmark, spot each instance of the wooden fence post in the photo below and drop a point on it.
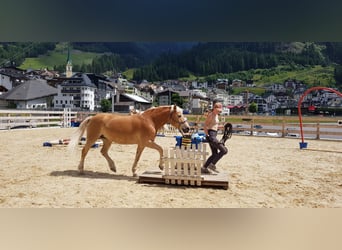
(317, 131)
(9, 121)
(252, 127)
(283, 128)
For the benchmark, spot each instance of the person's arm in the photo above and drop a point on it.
(208, 122)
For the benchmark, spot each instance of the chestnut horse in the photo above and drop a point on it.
(140, 129)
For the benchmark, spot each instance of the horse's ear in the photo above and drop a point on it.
(174, 107)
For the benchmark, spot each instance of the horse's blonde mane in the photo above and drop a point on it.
(152, 110)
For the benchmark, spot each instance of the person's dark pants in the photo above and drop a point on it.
(218, 150)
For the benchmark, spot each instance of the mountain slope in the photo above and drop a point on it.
(132, 54)
(161, 61)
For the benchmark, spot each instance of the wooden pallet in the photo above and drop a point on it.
(156, 176)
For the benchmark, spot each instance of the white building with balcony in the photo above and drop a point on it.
(76, 93)
(234, 100)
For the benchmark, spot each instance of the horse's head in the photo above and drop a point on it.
(178, 120)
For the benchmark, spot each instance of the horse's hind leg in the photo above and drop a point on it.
(83, 155)
(104, 152)
(91, 139)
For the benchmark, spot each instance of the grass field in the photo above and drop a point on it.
(55, 58)
(310, 75)
(313, 76)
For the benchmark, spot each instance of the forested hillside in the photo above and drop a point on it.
(225, 60)
(162, 61)
(211, 58)
(119, 55)
(15, 53)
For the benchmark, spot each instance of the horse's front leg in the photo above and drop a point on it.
(140, 149)
(152, 144)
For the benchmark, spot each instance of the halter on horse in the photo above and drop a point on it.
(140, 129)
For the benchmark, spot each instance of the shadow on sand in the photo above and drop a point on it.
(93, 175)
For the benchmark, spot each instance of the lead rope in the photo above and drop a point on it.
(227, 134)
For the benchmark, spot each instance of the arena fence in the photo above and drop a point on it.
(11, 119)
(313, 130)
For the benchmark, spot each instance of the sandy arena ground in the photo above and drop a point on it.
(263, 172)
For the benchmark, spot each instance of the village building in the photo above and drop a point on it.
(83, 92)
(32, 94)
(125, 102)
(11, 77)
(199, 85)
(165, 97)
(234, 100)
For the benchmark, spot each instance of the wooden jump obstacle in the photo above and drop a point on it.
(183, 167)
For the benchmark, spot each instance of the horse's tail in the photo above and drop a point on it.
(76, 137)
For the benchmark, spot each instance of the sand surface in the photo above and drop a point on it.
(263, 172)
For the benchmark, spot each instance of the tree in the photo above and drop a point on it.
(105, 105)
(177, 99)
(338, 74)
(253, 108)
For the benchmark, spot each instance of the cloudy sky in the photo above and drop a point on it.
(170, 20)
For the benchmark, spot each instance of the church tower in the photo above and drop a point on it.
(68, 70)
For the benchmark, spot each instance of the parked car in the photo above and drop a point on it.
(257, 126)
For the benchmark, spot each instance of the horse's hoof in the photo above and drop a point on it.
(161, 167)
(113, 169)
(135, 175)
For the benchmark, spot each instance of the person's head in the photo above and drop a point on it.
(217, 107)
